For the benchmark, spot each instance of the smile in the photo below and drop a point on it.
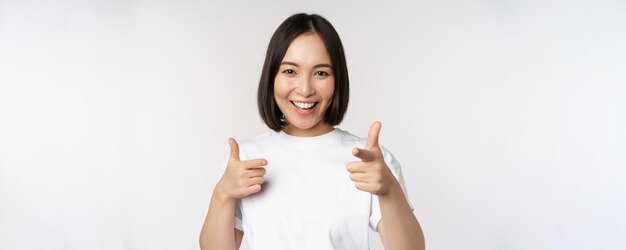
(304, 105)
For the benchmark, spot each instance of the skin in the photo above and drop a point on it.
(398, 228)
(305, 75)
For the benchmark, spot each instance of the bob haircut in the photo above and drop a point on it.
(291, 28)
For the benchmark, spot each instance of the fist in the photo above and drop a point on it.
(371, 174)
(241, 178)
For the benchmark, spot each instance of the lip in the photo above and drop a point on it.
(303, 111)
(302, 101)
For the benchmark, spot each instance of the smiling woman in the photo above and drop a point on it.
(307, 50)
(304, 86)
(307, 184)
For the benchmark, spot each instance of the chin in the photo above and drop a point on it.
(304, 124)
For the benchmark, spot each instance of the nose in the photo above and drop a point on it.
(305, 87)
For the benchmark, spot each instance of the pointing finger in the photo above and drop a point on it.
(372, 136)
(234, 149)
(364, 154)
(254, 163)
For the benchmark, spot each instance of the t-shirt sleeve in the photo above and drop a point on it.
(238, 218)
(394, 166)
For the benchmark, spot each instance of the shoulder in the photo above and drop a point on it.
(389, 158)
(255, 143)
(257, 139)
(345, 136)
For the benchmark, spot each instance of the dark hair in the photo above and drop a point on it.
(291, 28)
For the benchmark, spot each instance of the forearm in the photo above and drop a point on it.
(402, 230)
(217, 231)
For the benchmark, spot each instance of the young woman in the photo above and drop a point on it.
(307, 184)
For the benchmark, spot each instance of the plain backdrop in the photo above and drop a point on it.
(507, 116)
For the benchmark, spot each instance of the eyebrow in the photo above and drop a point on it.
(316, 66)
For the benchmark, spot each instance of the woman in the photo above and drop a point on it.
(307, 184)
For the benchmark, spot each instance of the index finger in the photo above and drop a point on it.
(364, 154)
(254, 163)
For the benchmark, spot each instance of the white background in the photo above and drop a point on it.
(507, 116)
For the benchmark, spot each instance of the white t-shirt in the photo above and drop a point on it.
(308, 200)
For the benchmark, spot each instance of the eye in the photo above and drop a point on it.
(289, 72)
(321, 74)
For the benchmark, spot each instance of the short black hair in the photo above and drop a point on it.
(291, 28)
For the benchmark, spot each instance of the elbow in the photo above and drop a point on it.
(204, 245)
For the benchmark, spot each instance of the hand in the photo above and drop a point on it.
(241, 178)
(371, 174)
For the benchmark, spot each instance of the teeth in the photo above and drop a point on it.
(304, 105)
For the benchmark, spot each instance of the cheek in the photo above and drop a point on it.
(281, 90)
(327, 89)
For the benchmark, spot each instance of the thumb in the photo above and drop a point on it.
(234, 149)
(372, 136)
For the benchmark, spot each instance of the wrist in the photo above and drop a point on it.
(394, 189)
(220, 196)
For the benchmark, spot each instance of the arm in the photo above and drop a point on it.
(240, 179)
(216, 232)
(398, 228)
(238, 237)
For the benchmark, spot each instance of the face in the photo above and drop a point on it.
(304, 85)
